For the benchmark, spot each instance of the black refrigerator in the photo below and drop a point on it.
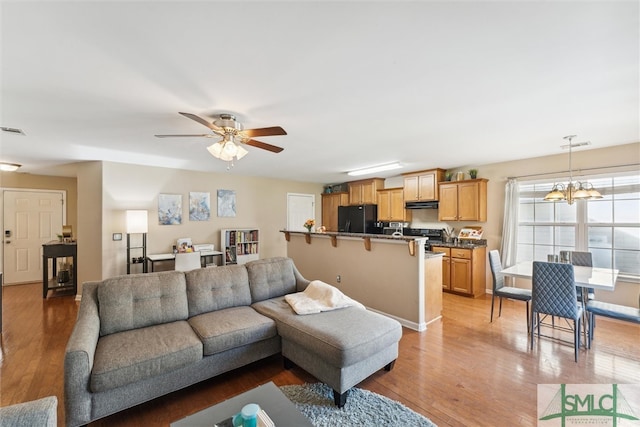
(357, 219)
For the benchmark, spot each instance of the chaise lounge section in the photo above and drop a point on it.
(138, 337)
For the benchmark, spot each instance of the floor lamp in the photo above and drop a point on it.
(137, 223)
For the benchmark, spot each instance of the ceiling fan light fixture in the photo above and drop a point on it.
(215, 149)
(375, 169)
(241, 152)
(9, 167)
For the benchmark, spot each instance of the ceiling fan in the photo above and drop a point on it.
(232, 133)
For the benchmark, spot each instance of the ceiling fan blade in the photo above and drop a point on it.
(205, 135)
(274, 130)
(264, 146)
(203, 122)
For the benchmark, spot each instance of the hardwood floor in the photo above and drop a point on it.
(463, 371)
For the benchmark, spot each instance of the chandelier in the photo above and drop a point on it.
(572, 191)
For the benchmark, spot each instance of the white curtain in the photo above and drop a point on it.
(509, 243)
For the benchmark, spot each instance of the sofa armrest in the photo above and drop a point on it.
(78, 358)
(301, 282)
(42, 412)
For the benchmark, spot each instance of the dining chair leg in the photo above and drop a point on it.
(576, 338)
(500, 309)
(533, 329)
(528, 326)
(493, 298)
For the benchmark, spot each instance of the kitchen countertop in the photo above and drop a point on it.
(470, 245)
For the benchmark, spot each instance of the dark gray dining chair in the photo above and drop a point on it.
(502, 291)
(554, 293)
(584, 259)
(613, 311)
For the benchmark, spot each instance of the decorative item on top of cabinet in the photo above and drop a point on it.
(391, 205)
(330, 203)
(423, 185)
(463, 270)
(463, 200)
(364, 192)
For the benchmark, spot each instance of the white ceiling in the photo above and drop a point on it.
(355, 83)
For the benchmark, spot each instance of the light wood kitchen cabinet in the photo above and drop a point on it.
(463, 270)
(463, 200)
(422, 186)
(364, 192)
(330, 203)
(391, 205)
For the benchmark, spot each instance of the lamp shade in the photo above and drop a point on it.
(137, 221)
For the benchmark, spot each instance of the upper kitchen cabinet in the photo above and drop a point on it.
(391, 205)
(364, 192)
(330, 203)
(422, 186)
(463, 200)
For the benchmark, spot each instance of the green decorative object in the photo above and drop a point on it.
(448, 175)
(473, 173)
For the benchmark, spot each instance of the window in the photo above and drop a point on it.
(609, 228)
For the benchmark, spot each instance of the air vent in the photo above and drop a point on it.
(15, 131)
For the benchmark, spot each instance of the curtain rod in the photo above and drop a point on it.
(575, 170)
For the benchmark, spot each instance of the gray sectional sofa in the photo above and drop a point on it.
(138, 337)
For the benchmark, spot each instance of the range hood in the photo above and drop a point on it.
(421, 205)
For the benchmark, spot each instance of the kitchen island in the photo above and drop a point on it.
(394, 276)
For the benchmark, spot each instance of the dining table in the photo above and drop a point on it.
(584, 277)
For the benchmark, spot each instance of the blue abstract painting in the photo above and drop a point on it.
(199, 206)
(226, 203)
(169, 209)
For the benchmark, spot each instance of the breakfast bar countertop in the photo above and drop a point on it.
(360, 235)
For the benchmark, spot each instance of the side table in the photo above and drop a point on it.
(54, 251)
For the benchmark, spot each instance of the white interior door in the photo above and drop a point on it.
(300, 207)
(30, 219)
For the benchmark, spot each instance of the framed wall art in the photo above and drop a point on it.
(227, 203)
(169, 209)
(199, 206)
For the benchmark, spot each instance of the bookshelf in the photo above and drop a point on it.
(240, 245)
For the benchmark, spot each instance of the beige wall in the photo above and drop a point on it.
(260, 203)
(90, 255)
(386, 278)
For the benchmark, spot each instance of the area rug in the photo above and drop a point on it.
(363, 408)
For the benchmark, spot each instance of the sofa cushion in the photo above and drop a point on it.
(230, 328)
(139, 300)
(341, 337)
(270, 278)
(131, 356)
(210, 289)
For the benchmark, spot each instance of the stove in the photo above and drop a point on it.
(434, 235)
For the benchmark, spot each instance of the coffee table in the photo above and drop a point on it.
(281, 410)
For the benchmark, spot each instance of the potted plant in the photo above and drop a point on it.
(448, 175)
(473, 173)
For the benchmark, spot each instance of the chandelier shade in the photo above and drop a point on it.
(572, 191)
